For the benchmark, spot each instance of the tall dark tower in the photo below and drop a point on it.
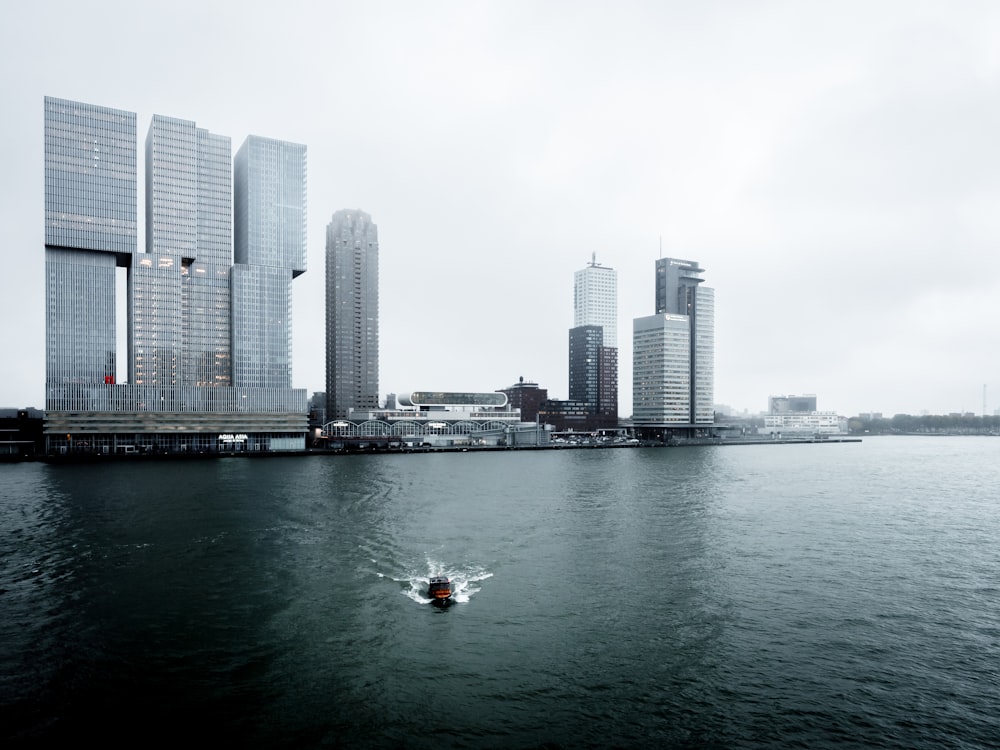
(351, 313)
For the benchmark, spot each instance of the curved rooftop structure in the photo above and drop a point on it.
(454, 399)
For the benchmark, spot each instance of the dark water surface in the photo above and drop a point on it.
(811, 596)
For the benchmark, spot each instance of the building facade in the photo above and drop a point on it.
(179, 292)
(90, 232)
(808, 424)
(567, 415)
(595, 300)
(585, 344)
(435, 419)
(673, 369)
(185, 313)
(270, 251)
(352, 362)
(791, 404)
(593, 345)
(527, 397)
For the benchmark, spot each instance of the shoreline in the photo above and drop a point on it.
(78, 458)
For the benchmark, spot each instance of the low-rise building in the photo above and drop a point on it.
(437, 419)
(816, 423)
(527, 397)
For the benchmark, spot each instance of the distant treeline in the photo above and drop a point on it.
(931, 424)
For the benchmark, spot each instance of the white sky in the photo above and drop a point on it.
(832, 165)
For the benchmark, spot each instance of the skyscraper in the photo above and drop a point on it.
(351, 313)
(661, 370)
(674, 350)
(182, 297)
(593, 343)
(595, 300)
(270, 251)
(179, 293)
(90, 230)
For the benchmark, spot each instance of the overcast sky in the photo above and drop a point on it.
(833, 166)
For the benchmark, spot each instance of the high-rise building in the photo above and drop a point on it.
(90, 231)
(270, 251)
(661, 370)
(351, 314)
(183, 299)
(180, 293)
(673, 351)
(595, 300)
(584, 357)
(607, 386)
(593, 343)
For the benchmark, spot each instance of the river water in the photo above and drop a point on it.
(812, 596)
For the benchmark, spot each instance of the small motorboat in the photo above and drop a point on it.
(439, 589)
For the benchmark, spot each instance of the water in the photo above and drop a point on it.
(774, 596)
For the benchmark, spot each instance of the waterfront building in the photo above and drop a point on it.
(179, 294)
(661, 370)
(189, 310)
(90, 231)
(585, 344)
(435, 419)
(804, 424)
(21, 434)
(352, 302)
(527, 397)
(593, 345)
(797, 416)
(567, 415)
(270, 250)
(607, 386)
(674, 352)
(317, 410)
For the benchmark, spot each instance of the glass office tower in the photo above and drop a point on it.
(90, 230)
(180, 288)
(351, 313)
(181, 393)
(90, 177)
(703, 356)
(270, 251)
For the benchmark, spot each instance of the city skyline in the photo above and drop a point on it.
(821, 167)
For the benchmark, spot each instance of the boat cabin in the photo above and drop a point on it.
(439, 588)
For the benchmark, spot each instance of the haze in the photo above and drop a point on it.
(832, 166)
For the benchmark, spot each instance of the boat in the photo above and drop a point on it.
(439, 589)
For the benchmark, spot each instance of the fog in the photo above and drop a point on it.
(832, 167)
